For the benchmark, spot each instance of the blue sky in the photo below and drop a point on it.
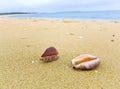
(57, 5)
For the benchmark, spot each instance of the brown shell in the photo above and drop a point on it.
(50, 51)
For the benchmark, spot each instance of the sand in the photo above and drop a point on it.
(22, 41)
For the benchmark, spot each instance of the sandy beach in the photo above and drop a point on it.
(23, 40)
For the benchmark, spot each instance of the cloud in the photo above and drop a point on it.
(33, 2)
(82, 5)
(58, 5)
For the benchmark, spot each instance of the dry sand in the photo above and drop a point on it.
(22, 41)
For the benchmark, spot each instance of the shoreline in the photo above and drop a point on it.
(98, 20)
(10, 16)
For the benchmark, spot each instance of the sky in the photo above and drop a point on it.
(57, 5)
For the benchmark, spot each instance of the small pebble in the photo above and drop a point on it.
(27, 45)
(115, 21)
(23, 38)
(113, 35)
(71, 33)
(34, 20)
(96, 71)
(112, 40)
(33, 61)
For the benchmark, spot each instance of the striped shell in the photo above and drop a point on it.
(85, 61)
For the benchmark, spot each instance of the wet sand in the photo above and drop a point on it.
(22, 41)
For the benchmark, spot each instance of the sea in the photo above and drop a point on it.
(84, 15)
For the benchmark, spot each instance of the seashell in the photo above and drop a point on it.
(50, 54)
(85, 61)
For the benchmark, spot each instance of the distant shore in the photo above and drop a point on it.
(16, 13)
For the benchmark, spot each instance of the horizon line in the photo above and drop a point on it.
(56, 11)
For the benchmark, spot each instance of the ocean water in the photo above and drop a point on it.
(92, 15)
